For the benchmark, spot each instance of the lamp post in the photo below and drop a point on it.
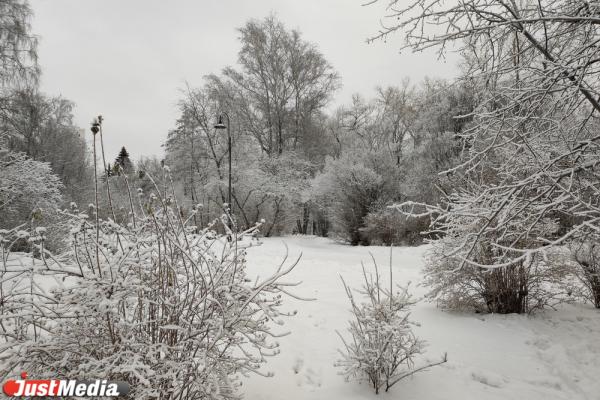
(221, 125)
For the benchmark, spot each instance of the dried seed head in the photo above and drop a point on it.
(95, 127)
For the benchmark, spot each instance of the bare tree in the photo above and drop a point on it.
(383, 122)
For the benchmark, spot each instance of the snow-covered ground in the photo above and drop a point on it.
(553, 355)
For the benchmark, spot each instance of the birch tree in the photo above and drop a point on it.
(18, 46)
(282, 82)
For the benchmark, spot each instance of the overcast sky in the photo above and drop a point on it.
(128, 59)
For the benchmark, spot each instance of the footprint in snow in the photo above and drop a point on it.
(313, 378)
(489, 378)
(540, 343)
(297, 367)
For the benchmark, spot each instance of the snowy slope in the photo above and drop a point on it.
(555, 355)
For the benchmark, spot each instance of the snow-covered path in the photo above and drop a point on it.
(555, 355)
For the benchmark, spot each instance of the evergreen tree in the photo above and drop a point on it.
(122, 162)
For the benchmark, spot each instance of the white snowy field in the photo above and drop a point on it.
(552, 355)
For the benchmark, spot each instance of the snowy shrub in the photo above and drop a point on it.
(390, 227)
(489, 257)
(536, 282)
(587, 256)
(383, 346)
(153, 301)
(168, 310)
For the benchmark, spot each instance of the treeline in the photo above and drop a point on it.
(301, 168)
(296, 165)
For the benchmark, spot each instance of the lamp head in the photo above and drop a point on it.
(220, 124)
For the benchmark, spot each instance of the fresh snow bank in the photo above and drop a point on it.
(553, 355)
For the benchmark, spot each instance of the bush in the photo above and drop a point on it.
(151, 301)
(389, 227)
(383, 346)
(533, 283)
(587, 257)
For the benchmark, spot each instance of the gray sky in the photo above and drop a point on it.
(128, 59)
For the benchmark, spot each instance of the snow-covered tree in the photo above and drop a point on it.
(275, 111)
(28, 188)
(527, 179)
(350, 187)
(534, 136)
(379, 124)
(280, 86)
(18, 46)
(42, 127)
(263, 187)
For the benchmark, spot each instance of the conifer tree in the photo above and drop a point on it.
(122, 162)
(109, 170)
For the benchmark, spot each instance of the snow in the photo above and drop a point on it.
(552, 355)
(21, 268)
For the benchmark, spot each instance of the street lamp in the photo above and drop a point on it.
(221, 125)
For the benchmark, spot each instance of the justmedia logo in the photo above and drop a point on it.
(64, 387)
